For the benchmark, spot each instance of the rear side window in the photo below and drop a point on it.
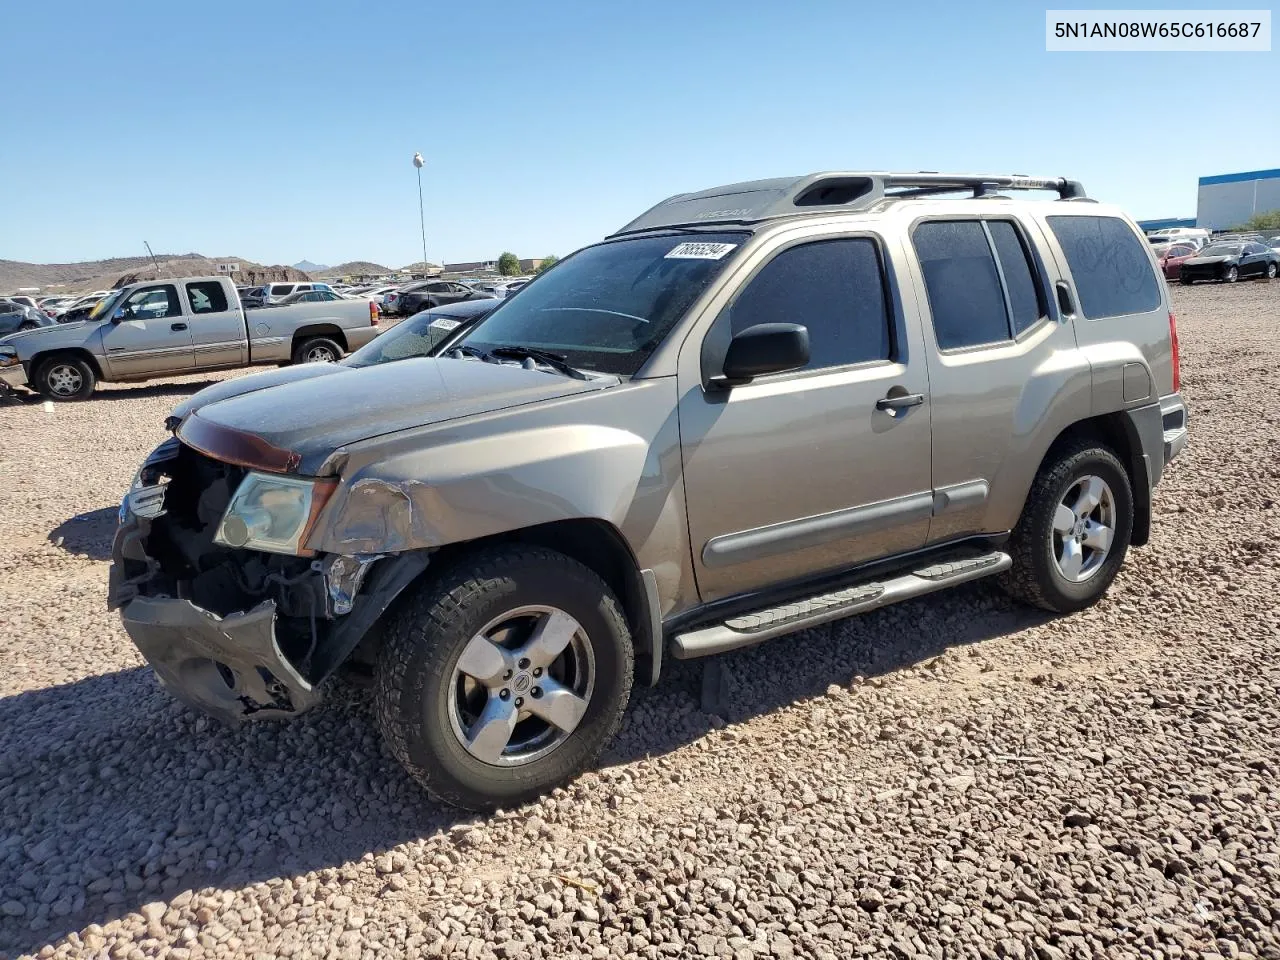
(281, 289)
(835, 288)
(1025, 299)
(206, 296)
(1112, 274)
(960, 275)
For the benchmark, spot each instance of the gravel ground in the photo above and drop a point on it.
(959, 777)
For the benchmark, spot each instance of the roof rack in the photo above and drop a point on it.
(757, 200)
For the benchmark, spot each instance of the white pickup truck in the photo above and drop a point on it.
(168, 328)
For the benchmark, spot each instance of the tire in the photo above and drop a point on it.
(65, 379)
(317, 350)
(1186, 281)
(1037, 576)
(1231, 276)
(428, 707)
(1271, 271)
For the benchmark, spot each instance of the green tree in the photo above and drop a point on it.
(1262, 222)
(546, 263)
(509, 265)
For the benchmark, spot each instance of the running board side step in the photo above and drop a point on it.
(751, 628)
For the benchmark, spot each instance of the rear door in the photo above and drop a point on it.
(148, 335)
(995, 342)
(217, 326)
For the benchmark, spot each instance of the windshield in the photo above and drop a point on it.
(106, 306)
(1221, 250)
(606, 308)
(419, 335)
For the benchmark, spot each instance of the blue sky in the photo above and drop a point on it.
(276, 131)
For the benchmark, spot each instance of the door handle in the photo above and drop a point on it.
(1066, 305)
(177, 326)
(899, 401)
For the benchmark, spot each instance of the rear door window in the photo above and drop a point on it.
(206, 296)
(966, 294)
(1110, 268)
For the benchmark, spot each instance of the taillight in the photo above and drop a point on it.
(373, 314)
(1173, 339)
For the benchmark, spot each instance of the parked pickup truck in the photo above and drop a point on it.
(169, 328)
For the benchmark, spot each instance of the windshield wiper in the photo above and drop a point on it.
(555, 361)
(457, 353)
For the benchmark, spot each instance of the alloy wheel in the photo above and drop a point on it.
(521, 686)
(64, 380)
(1083, 528)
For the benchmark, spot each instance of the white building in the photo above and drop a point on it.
(1229, 199)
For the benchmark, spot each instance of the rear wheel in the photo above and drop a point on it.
(317, 350)
(504, 677)
(1074, 530)
(1271, 271)
(1232, 275)
(65, 378)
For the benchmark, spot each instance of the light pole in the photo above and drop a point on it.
(422, 220)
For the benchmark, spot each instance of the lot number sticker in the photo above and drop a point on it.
(443, 324)
(699, 251)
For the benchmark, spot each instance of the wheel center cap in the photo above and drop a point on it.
(521, 683)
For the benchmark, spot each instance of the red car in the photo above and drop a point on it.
(1171, 259)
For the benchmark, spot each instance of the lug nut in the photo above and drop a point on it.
(519, 702)
(524, 662)
(507, 675)
(536, 692)
(537, 671)
(505, 694)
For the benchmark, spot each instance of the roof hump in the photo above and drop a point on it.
(756, 200)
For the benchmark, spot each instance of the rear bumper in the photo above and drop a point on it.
(1173, 419)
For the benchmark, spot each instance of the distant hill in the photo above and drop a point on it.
(306, 266)
(105, 274)
(355, 268)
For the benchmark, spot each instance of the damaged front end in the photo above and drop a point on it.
(238, 633)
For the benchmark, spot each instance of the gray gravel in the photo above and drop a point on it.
(954, 778)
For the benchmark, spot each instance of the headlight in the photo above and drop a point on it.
(273, 513)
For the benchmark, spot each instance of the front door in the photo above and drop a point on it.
(217, 327)
(148, 335)
(798, 473)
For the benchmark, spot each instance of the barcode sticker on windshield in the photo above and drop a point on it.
(699, 251)
(443, 324)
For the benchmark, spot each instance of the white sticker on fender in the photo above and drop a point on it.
(699, 251)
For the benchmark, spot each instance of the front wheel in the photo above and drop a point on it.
(1271, 271)
(1232, 275)
(65, 378)
(504, 677)
(317, 350)
(1074, 530)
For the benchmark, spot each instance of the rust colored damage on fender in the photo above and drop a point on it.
(236, 446)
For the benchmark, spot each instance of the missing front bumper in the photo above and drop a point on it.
(229, 667)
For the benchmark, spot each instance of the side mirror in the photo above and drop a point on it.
(763, 349)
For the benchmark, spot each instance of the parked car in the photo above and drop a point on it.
(601, 473)
(275, 292)
(1272, 242)
(313, 296)
(16, 315)
(1173, 257)
(1231, 261)
(80, 307)
(1198, 235)
(435, 293)
(174, 327)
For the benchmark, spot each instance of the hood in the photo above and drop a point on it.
(30, 342)
(305, 417)
(1208, 261)
(253, 382)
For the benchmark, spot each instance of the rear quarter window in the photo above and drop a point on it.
(1110, 266)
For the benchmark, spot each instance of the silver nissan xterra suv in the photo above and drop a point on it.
(751, 410)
